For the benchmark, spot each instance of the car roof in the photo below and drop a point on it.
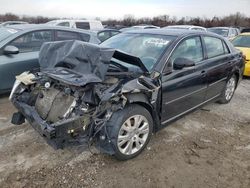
(222, 28)
(31, 27)
(72, 20)
(9, 22)
(105, 29)
(182, 26)
(171, 32)
(144, 25)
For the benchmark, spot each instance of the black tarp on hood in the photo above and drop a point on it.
(88, 62)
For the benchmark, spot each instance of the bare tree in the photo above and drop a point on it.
(237, 20)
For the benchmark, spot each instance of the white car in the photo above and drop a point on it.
(9, 23)
(187, 27)
(139, 27)
(79, 24)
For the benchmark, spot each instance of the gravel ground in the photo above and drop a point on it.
(207, 148)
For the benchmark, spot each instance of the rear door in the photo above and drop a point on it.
(218, 65)
(184, 90)
(29, 45)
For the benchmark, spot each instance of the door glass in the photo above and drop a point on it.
(66, 35)
(214, 46)
(197, 29)
(104, 35)
(113, 33)
(32, 41)
(190, 49)
(83, 25)
(226, 49)
(65, 24)
(85, 37)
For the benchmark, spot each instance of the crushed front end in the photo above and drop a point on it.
(74, 95)
(60, 112)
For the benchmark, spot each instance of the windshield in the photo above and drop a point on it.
(6, 32)
(222, 32)
(148, 47)
(242, 41)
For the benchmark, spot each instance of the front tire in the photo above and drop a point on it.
(229, 90)
(130, 130)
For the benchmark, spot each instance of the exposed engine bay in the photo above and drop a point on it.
(79, 87)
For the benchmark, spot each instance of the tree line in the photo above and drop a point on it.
(234, 20)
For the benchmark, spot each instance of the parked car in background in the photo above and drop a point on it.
(118, 27)
(78, 24)
(139, 27)
(12, 23)
(245, 30)
(242, 42)
(20, 45)
(227, 32)
(186, 27)
(137, 83)
(105, 34)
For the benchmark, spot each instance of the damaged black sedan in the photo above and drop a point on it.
(117, 94)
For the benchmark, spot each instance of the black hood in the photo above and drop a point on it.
(88, 62)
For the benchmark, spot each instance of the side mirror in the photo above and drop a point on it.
(180, 63)
(9, 50)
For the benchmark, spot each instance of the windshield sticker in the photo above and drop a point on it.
(12, 31)
(156, 42)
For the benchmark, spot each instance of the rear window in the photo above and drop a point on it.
(83, 25)
(214, 46)
(245, 30)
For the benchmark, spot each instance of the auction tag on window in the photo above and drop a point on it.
(156, 42)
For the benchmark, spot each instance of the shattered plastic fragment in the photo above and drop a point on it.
(26, 78)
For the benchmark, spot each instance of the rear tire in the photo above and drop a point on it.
(229, 90)
(130, 130)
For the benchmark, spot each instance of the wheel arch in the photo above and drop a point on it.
(236, 72)
(142, 100)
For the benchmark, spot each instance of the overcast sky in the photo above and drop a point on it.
(118, 8)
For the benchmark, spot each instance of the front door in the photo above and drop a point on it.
(27, 59)
(184, 89)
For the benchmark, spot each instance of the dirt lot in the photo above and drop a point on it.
(207, 148)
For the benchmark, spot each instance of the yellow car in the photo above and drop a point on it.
(242, 42)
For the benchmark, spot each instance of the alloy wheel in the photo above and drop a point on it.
(230, 87)
(133, 135)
